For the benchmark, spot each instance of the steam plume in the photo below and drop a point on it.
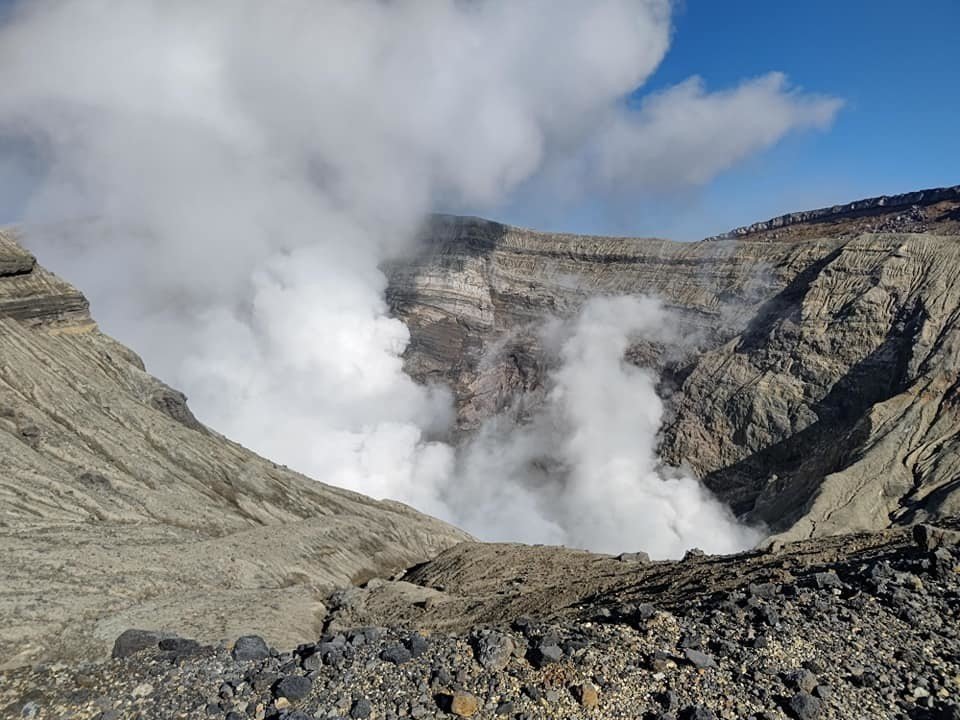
(606, 488)
(225, 178)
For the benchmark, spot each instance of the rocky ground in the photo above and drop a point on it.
(873, 633)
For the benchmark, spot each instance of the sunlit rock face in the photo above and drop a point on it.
(117, 508)
(814, 385)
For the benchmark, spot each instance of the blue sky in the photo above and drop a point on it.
(896, 65)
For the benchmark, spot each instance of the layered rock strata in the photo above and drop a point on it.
(118, 508)
(815, 389)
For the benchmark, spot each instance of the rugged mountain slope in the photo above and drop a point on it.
(818, 390)
(118, 508)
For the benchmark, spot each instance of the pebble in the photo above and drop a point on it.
(464, 704)
(142, 690)
(698, 659)
(545, 654)
(417, 644)
(250, 647)
(494, 651)
(396, 654)
(293, 687)
(698, 712)
(802, 679)
(587, 694)
(827, 580)
(804, 706)
(361, 709)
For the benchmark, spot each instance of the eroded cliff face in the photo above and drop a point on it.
(817, 389)
(118, 509)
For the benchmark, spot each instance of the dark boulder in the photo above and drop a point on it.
(250, 647)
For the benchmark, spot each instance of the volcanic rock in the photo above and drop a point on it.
(819, 394)
(293, 687)
(250, 647)
(464, 704)
(587, 695)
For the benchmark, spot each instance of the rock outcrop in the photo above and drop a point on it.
(818, 388)
(907, 212)
(118, 509)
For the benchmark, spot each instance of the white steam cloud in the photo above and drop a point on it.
(224, 179)
(584, 471)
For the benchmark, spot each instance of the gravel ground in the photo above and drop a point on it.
(879, 640)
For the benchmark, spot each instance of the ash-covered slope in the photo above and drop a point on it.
(119, 509)
(818, 391)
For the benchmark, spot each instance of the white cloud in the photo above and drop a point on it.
(686, 136)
